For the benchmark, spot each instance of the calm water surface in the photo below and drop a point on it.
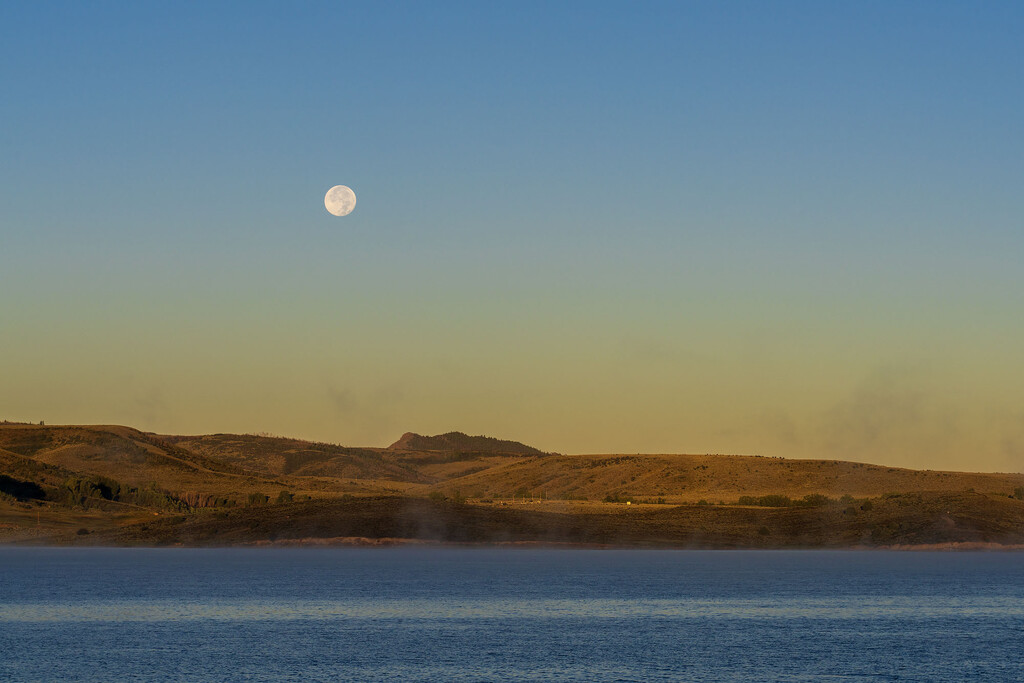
(508, 614)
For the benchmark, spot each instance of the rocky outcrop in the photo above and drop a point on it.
(457, 442)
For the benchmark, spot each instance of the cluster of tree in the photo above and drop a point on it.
(205, 500)
(811, 500)
(258, 498)
(618, 498)
(626, 498)
(289, 497)
(775, 500)
(21, 490)
(607, 462)
(82, 490)
(456, 497)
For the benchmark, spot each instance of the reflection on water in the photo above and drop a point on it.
(517, 615)
(448, 610)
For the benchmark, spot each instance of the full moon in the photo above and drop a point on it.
(340, 200)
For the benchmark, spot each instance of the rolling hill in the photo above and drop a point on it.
(98, 479)
(274, 456)
(113, 451)
(716, 478)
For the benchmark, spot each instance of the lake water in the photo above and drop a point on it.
(462, 614)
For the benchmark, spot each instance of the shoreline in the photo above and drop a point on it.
(362, 542)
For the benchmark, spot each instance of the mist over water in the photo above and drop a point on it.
(503, 614)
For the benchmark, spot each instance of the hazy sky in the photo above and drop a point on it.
(780, 228)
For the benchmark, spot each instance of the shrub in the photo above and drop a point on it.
(257, 499)
(79, 490)
(772, 500)
(285, 497)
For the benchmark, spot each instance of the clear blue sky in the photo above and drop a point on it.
(787, 228)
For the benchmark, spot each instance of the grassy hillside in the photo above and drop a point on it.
(716, 478)
(271, 455)
(25, 469)
(277, 456)
(102, 481)
(119, 452)
(131, 458)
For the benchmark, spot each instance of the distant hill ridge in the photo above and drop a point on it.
(461, 443)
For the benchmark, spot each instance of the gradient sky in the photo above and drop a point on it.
(780, 228)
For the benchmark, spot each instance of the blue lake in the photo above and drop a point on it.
(461, 614)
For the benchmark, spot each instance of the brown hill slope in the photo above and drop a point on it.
(125, 455)
(911, 519)
(219, 465)
(272, 455)
(690, 478)
(84, 448)
(24, 468)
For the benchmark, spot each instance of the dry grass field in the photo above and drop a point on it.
(715, 478)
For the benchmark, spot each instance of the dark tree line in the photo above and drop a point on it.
(22, 490)
(80, 490)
